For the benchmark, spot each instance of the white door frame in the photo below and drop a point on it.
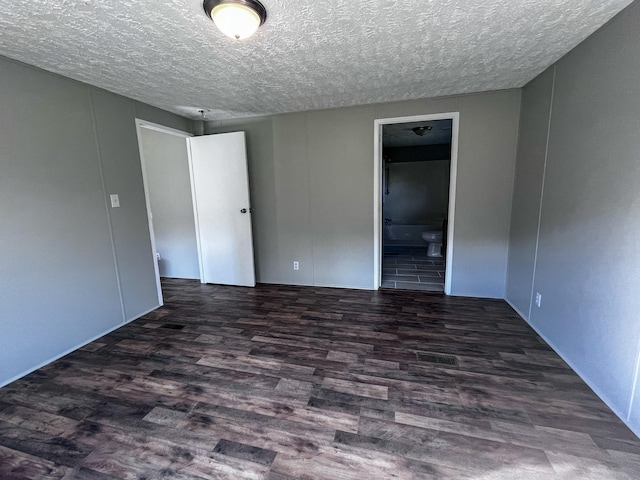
(140, 124)
(377, 190)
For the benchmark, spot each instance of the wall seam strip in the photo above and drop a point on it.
(106, 204)
(309, 206)
(544, 176)
(634, 384)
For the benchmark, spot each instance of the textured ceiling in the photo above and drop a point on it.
(309, 54)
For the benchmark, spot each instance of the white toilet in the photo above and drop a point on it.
(434, 240)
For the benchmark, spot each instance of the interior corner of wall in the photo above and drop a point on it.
(524, 316)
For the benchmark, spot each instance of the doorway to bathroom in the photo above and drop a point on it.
(415, 167)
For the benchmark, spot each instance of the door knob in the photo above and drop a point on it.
(244, 210)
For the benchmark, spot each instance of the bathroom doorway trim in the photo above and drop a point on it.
(377, 191)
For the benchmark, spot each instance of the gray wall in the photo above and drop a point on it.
(311, 180)
(418, 192)
(532, 149)
(169, 187)
(71, 267)
(586, 262)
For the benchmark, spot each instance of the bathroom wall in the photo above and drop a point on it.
(71, 267)
(418, 192)
(169, 188)
(419, 153)
(578, 173)
(311, 178)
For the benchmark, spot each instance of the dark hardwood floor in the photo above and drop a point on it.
(283, 383)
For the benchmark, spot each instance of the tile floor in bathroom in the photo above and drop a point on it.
(411, 269)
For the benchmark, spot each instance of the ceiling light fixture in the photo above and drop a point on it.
(237, 19)
(422, 130)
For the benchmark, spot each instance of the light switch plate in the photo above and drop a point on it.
(115, 200)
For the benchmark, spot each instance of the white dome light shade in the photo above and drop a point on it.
(237, 19)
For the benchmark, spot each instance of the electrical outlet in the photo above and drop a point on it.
(538, 299)
(296, 265)
(158, 257)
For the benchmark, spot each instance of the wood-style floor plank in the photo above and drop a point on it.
(282, 383)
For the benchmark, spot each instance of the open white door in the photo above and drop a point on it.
(220, 185)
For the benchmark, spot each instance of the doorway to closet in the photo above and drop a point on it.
(197, 195)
